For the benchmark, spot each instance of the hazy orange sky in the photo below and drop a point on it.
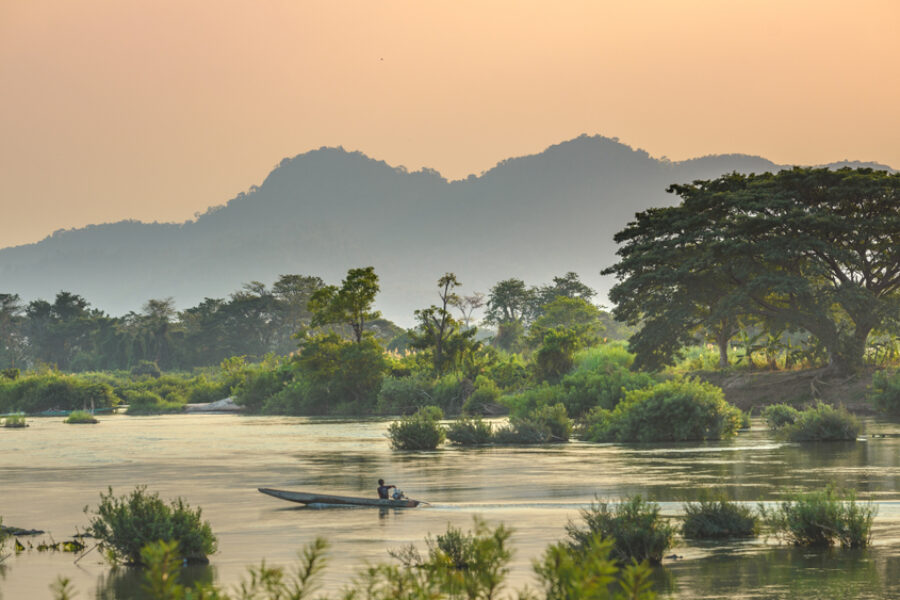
(157, 109)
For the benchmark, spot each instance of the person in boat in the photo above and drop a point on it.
(383, 490)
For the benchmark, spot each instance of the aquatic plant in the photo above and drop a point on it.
(822, 423)
(81, 417)
(16, 420)
(640, 533)
(676, 410)
(542, 425)
(716, 517)
(779, 415)
(471, 565)
(123, 525)
(470, 432)
(822, 518)
(420, 431)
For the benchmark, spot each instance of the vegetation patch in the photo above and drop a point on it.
(16, 420)
(822, 423)
(779, 415)
(470, 432)
(540, 426)
(81, 417)
(884, 392)
(676, 410)
(822, 518)
(716, 517)
(420, 431)
(141, 402)
(125, 524)
(640, 533)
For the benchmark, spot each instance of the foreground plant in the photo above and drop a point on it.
(458, 564)
(124, 525)
(822, 518)
(635, 525)
(470, 432)
(16, 420)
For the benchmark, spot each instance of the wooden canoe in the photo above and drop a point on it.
(305, 498)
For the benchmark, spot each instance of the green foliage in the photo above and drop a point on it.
(555, 355)
(349, 304)
(485, 395)
(420, 431)
(123, 525)
(635, 525)
(142, 402)
(469, 564)
(822, 519)
(259, 383)
(716, 517)
(542, 425)
(16, 420)
(147, 368)
(885, 391)
(676, 410)
(35, 392)
(403, 394)
(822, 423)
(78, 417)
(444, 338)
(779, 415)
(470, 432)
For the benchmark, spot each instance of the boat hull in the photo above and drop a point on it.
(306, 498)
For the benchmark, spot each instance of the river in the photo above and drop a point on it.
(50, 471)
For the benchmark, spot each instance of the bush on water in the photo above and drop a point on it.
(635, 525)
(822, 518)
(420, 431)
(16, 420)
(716, 517)
(779, 415)
(472, 565)
(81, 417)
(123, 525)
(542, 425)
(36, 392)
(470, 432)
(822, 423)
(672, 411)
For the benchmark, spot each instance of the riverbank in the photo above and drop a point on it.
(756, 390)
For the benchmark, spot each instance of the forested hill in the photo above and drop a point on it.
(328, 210)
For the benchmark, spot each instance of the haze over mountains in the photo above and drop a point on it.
(325, 211)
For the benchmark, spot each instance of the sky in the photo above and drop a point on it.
(157, 109)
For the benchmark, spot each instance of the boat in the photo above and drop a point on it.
(305, 498)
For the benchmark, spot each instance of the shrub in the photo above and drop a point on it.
(81, 417)
(779, 415)
(420, 431)
(676, 410)
(822, 519)
(258, 385)
(123, 525)
(16, 420)
(640, 533)
(717, 517)
(402, 395)
(470, 432)
(885, 391)
(486, 394)
(542, 425)
(36, 392)
(146, 368)
(823, 423)
(142, 402)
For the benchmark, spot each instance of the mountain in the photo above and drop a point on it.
(325, 211)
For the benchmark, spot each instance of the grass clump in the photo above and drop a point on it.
(672, 411)
(123, 525)
(80, 417)
(420, 431)
(640, 533)
(16, 420)
(822, 423)
(716, 517)
(145, 402)
(822, 518)
(470, 432)
(779, 415)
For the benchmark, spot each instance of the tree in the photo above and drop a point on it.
(467, 305)
(12, 341)
(567, 286)
(810, 249)
(576, 314)
(350, 304)
(438, 331)
(509, 307)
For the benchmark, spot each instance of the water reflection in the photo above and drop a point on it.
(127, 583)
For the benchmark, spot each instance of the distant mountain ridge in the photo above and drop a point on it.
(327, 210)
